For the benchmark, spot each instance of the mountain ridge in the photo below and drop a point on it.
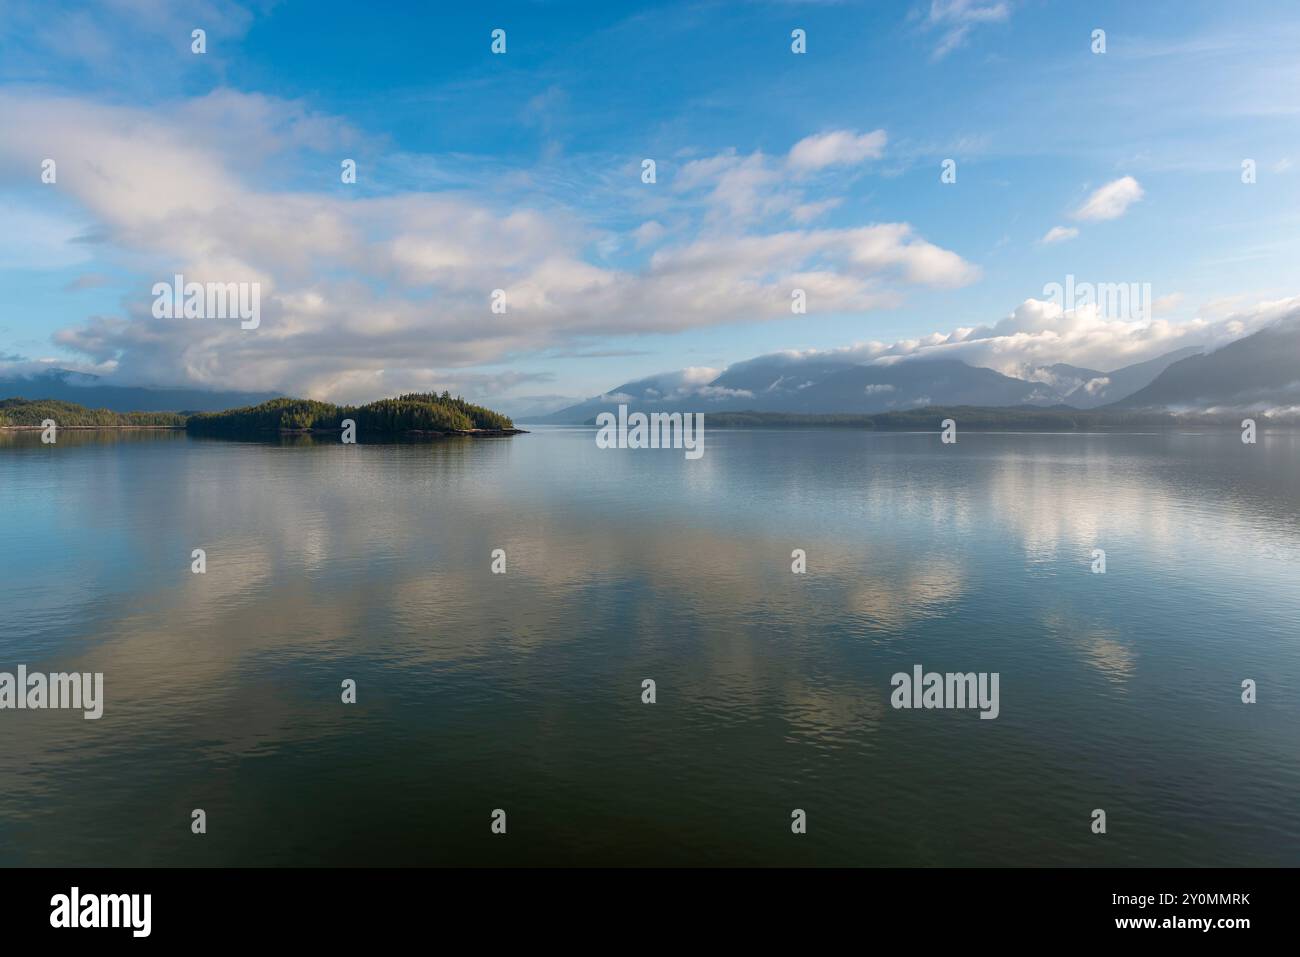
(81, 388)
(1257, 373)
(790, 384)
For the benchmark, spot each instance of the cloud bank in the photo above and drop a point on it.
(366, 294)
(1039, 333)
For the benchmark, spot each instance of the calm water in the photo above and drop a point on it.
(522, 691)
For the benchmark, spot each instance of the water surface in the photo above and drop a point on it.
(522, 691)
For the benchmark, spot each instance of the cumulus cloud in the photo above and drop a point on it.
(836, 148)
(366, 294)
(1110, 201)
(739, 190)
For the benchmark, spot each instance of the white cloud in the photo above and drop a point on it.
(807, 212)
(1110, 201)
(1059, 234)
(739, 190)
(721, 392)
(364, 295)
(1039, 333)
(956, 18)
(648, 233)
(1166, 304)
(696, 375)
(836, 148)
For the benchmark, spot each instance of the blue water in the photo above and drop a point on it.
(522, 691)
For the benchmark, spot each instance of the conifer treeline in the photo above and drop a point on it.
(983, 419)
(29, 412)
(416, 411)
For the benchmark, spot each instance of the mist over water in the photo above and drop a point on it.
(522, 691)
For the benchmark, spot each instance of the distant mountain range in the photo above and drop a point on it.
(90, 391)
(1260, 372)
(1090, 389)
(820, 385)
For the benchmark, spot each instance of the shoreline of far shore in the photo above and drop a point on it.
(472, 433)
(95, 428)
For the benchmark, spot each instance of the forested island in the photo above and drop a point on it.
(430, 414)
(414, 414)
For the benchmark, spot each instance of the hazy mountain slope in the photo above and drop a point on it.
(778, 375)
(1259, 372)
(1107, 387)
(1084, 388)
(818, 384)
(86, 390)
(654, 392)
(789, 384)
(913, 383)
(1063, 377)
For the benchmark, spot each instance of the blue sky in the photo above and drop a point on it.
(522, 172)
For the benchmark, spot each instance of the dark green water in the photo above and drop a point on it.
(522, 691)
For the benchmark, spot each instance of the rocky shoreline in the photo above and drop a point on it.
(95, 428)
(473, 433)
